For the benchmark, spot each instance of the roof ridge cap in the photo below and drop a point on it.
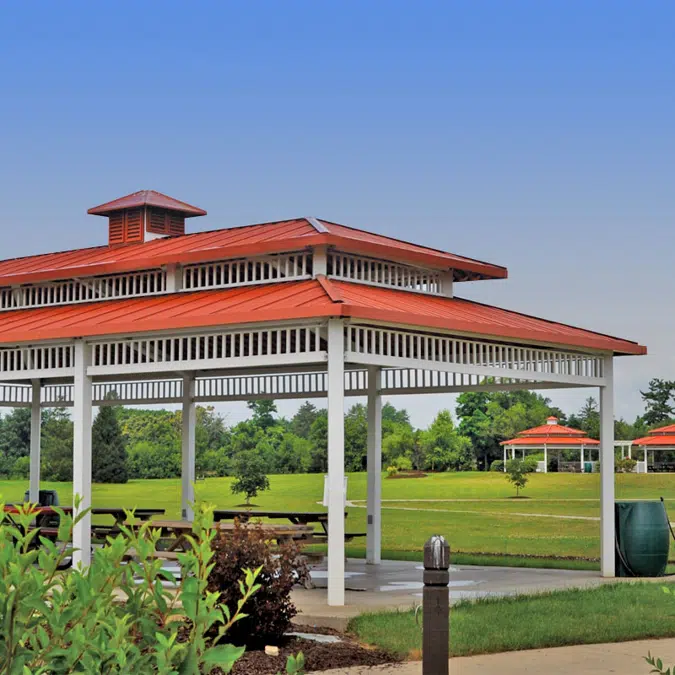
(331, 291)
(317, 224)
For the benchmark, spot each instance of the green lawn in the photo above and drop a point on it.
(487, 521)
(613, 613)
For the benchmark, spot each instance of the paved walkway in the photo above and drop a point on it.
(626, 658)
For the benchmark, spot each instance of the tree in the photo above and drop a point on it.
(293, 455)
(443, 448)
(356, 438)
(516, 473)
(109, 456)
(318, 437)
(15, 433)
(57, 445)
(474, 424)
(263, 413)
(302, 421)
(250, 476)
(587, 419)
(659, 402)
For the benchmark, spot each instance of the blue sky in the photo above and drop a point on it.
(535, 135)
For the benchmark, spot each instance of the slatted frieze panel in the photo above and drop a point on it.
(74, 291)
(435, 349)
(348, 267)
(204, 348)
(248, 271)
(17, 360)
(15, 395)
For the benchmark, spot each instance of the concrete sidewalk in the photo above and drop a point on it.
(624, 658)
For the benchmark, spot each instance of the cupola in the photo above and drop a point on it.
(145, 215)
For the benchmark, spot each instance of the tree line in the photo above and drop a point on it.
(139, 443)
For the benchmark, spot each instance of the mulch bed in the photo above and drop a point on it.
(346, 654)
(407, 474)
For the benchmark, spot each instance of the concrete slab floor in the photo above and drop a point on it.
(396, 585)
(626, 658)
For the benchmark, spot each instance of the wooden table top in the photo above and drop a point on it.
(306, 516)
(268, 528)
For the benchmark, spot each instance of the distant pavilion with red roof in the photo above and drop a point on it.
(550, 436)
(298, 308)
(662, 438)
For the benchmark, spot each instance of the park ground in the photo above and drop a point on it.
(554, 523)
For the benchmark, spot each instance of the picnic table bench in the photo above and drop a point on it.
(174, 533)
(295, 517)
(44, 518)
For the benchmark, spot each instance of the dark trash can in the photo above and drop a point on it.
(46, 498)
(642, 539)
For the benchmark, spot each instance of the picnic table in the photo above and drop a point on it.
(175, 532)
(45, 518)
(295, 517)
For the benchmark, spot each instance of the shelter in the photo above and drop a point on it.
(662, 438)
(297, 308)
(550, 436)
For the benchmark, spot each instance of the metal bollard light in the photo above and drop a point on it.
(436, 607)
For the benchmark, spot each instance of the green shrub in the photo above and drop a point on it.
(403, 463)
(626, 465)
(392, 471)
(56, 622)
(497, 465)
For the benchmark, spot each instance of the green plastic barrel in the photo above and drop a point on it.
(588, 467)
(643, 539)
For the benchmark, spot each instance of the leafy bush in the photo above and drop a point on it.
(497, 465)
(626, 465)
(73, 622)
(392, 471)
(271, 610)
(403, 464)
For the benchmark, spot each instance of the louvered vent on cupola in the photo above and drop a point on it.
(145, 215)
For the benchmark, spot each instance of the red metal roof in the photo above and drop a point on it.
(552, 433)
(552, 430)
(471, 317)
(661, 436)
(146, 198)
(292, 300)
(264, 238)
(577, 441)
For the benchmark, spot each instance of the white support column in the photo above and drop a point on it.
(582, 458)
(189, 420)
(82, 419)
(447, 283)
(35, 423)
(319, 261)
(374, 469)
(504, 459)
(174, 278)
(513, 452)
(646, 465)
(336, 464)
(545, 459)
(607, 565)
